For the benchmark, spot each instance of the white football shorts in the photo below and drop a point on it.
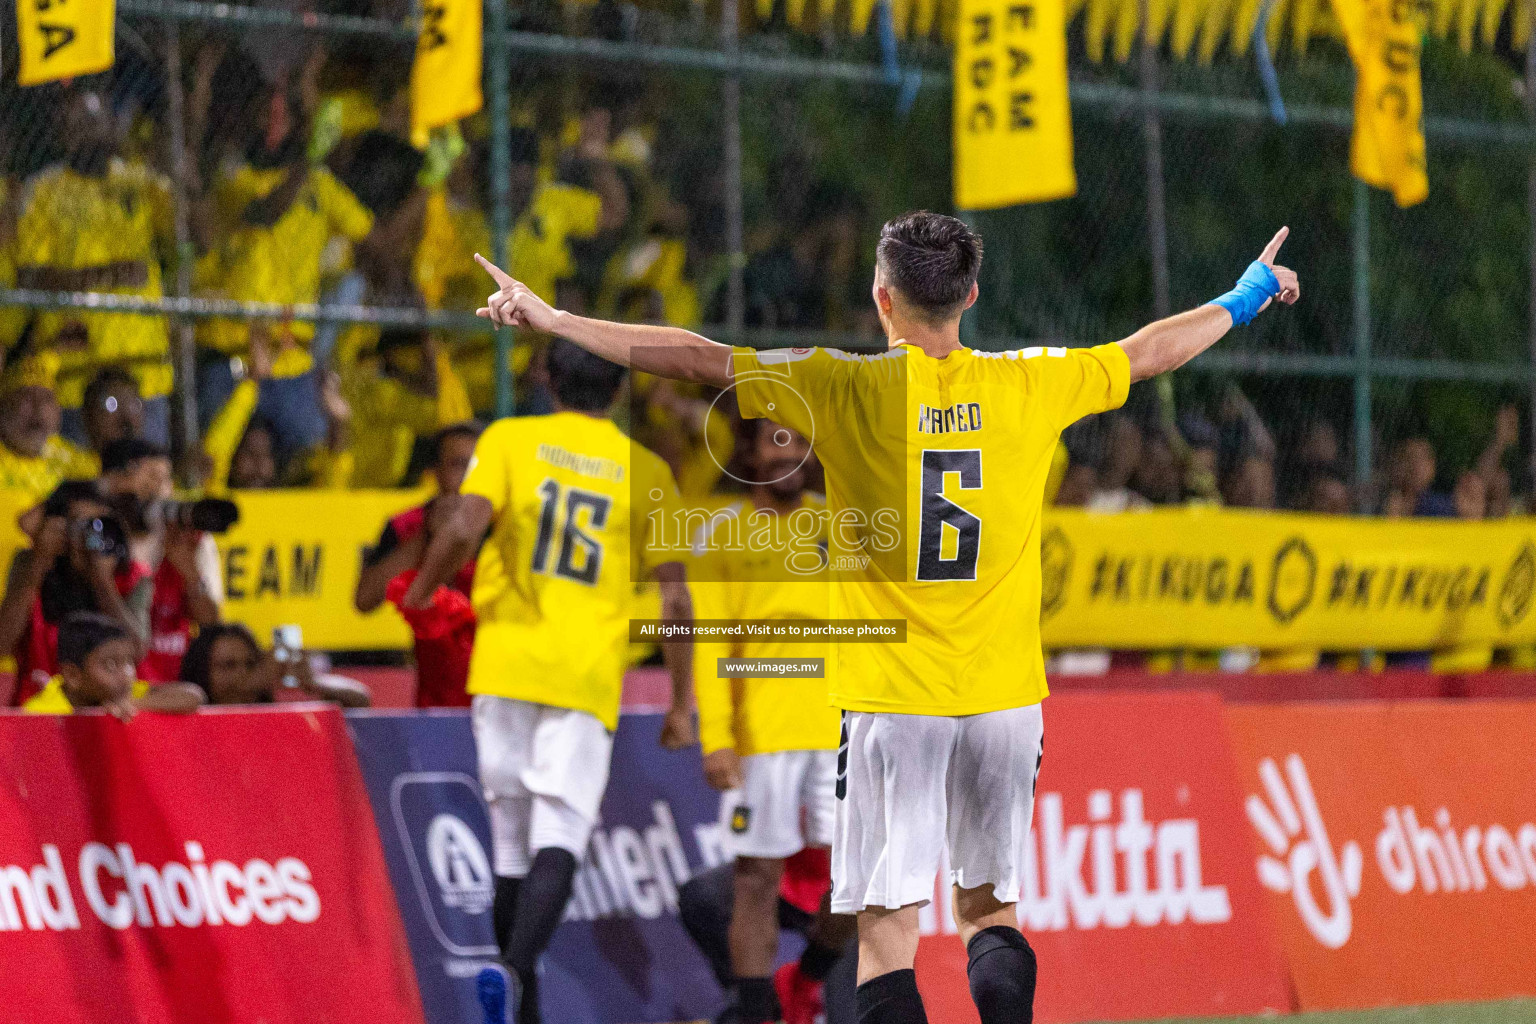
(785, 803)
(908, 785)
(544, 770)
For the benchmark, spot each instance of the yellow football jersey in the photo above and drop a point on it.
(732, 577)
(936, 471)
(555, 582)
(71, 221)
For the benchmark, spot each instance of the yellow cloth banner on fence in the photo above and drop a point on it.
(445, 79)
(60, 39)
(1387, 150)
(1013, 119)
(1211, 578)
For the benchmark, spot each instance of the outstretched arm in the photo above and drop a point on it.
(664, 351)
(1169, 344)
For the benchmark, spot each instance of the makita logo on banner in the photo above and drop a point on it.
(1116, 869)
(1426, 853)
(121, 891)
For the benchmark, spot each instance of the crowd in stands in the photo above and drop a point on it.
(305, 184)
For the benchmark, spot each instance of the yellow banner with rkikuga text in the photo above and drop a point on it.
(1013, 119)
(1387, 149)
(445, 79)
(62, 39)
(1212, 578)
(1161, 579)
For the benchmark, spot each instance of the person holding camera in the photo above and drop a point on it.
(227, 664)
(181, 559)
(78, 562)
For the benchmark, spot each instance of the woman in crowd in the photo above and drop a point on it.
(231, 668)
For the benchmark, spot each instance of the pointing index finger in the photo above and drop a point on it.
(501, 277)
(1267, 256)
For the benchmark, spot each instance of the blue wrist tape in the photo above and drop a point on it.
(1257, 286)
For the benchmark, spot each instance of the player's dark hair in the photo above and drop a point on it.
(581, 380)
(469, 428)
(125, 451)
(932, 260)
(197, 663)
(82, 632)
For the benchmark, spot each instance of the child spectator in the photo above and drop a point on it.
(34, 459)
(445, 631)
(96, 670)
(225, 663)
(94, 223)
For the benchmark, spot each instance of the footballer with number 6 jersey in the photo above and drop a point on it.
(942, 734)
(571, 506)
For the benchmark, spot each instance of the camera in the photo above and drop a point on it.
(209, 515)
(101, 535)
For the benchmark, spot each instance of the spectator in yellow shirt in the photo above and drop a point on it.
(586, 199)
(114, 409)
(34, 459)
(96, 224)
(240, 446)
(393, 394)
(97, 669)
(272, 218)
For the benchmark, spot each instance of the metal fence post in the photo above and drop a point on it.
(1530, 202)
(499, 84)
(1361, 245)
(184, 352)
(730, 108)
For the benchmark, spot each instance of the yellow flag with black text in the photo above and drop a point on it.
(1013, 118)
(1387, 150)
(445, 80)
(63, 38)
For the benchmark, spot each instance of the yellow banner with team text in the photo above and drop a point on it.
(63, 38)
(295, 556)
(1212, 578)
(1387, 149)
(445, 79)
(1013, 119)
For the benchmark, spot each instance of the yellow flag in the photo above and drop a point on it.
(60, 39)
(1013, 120)
(445, 80)
(1387, 150)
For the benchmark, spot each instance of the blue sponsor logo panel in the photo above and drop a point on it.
(621, 955)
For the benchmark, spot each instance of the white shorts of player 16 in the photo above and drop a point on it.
(543, 770)
(913, 787)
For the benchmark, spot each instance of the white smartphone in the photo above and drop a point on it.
(287, 643)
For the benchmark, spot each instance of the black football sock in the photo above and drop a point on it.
(704, 906)
(1002, 976)
(756, 1001)
(504, 909)
(817, 960)
(541, 904)
(891, 999)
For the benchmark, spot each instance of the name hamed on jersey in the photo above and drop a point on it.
(962, 417)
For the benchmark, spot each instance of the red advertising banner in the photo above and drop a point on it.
(1398, 842)
(1139, 893)
(221, 868)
